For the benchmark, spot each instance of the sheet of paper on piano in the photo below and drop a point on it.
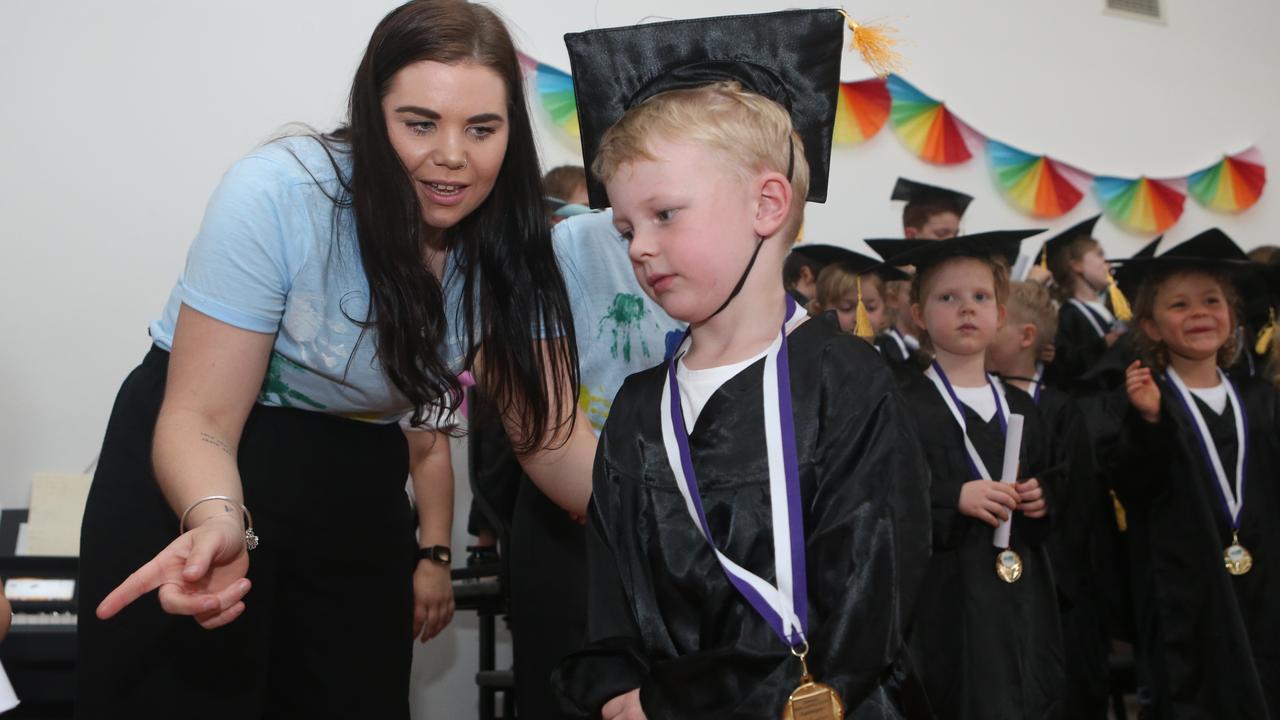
(8, 698)
(57, 505)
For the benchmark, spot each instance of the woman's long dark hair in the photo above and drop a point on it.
(511, 285)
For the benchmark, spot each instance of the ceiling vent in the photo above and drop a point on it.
(1141, 9)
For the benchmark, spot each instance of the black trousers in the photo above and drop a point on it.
(548, 598)
(327, 628)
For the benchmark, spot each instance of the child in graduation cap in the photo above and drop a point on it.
(1196, 468)
(851, 287)
(1267, 345)
(1031, 323)
(929, 212)
(755, 533)
(986, 638)
(1086, 326)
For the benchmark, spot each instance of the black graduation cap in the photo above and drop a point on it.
(1126, 278)
(855, 262)
(791, 57)
(1084, 228)
(911, 191)
(1209, 249)
(923, 253)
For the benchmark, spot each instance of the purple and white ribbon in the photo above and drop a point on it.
(939, 377)
(784, 606)
(1232, 502)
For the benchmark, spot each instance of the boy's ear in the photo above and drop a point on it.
(910, 233)
(773, 203)
(1002, 314)
(1027, 338)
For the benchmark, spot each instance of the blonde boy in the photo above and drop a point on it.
(1031, 326)
(750, 505)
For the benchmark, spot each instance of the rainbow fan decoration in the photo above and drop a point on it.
(1232, 185)
(861, 110)
(928, 128)
(1143, 205)
(1036, 184)
(554, 90)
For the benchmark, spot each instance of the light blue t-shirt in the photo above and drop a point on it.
(273, 256)
(619, 330)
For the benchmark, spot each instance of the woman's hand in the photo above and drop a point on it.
(432, 599)
(1143, 392)
(624, 707)
(988, 500)
(1031, 500)
(201, 573)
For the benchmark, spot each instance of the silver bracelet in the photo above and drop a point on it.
(250, 540)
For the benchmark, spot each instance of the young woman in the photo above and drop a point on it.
(338, 283)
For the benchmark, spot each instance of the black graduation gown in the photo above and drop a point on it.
(985, 648)
(1208, 642)
(1083, 510)
(1077, 347)
(662, 615)
(904, 366)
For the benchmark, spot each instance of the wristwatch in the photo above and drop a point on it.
(439, 554)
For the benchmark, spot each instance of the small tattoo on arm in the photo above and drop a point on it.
(218, 443)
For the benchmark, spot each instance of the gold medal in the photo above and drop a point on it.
(1008, 566)
(812, 700)
(1236, 557)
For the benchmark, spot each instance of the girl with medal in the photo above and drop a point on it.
(1196, 470)
(756, 532)
(986, 639)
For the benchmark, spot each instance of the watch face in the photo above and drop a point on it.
(443, 555)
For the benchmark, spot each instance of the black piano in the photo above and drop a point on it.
(39, 654)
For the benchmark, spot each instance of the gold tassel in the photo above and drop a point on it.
(1266, 335)
(800, 234)
(1119, 303)
(875, 44)
(862, 321)
(1122, 521)
(1044, 258)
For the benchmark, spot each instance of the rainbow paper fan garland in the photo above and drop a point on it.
(1232, 185)
(1036, 184)
(861, 111)
(554, 89)
(1143, 205)
(927, 127)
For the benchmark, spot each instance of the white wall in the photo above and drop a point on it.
(117, 120)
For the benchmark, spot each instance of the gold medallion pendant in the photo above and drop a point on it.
(812, 700)
(1008, 566)
(1236, 557)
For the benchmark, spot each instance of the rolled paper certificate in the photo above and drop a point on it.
(1009, 473)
